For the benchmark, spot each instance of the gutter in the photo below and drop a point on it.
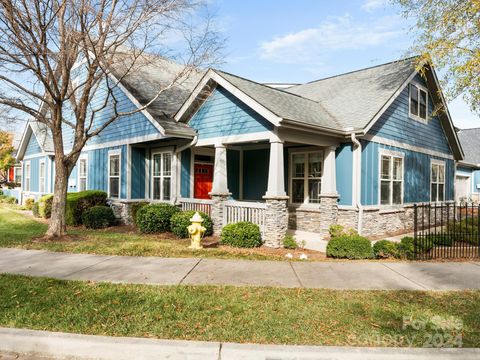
(357, 180)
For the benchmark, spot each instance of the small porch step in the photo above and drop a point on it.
(313, 241)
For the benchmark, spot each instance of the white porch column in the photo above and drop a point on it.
(276, 176)
(329, 182)
(219, 185)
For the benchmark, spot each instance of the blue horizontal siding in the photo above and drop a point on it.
(344, 173)
(396, 124)
(124, 127)
(416, 174)
(33, 148)
(222, 114)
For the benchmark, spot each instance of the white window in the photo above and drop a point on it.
(82, 174)
(17, 174)
(41, 177)
(437, 181)
(27, 176)
(306, 177)
(418, 102)
(162, 176)
(114, 176)
(391, 178)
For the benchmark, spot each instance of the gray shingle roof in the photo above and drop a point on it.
(356, 97)
(470, 141)
(148, 75)
(284, 104)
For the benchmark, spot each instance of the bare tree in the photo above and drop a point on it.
(43, 41)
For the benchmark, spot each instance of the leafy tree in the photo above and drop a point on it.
(448, 35)
(42, 41)
(6, 151)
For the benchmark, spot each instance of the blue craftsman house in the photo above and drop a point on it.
(356, 149)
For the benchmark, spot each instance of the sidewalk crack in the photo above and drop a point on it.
(190, 271)
(220, 351)
(296, 275)
(412, 281)
(88, 267)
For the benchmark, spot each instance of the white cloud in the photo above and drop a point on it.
(371, 5)
(335, 34)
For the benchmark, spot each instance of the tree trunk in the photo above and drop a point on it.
(57, 226)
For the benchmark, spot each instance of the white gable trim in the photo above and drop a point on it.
(27, 134)
(389, 102)
(137, 104)
(247, 100)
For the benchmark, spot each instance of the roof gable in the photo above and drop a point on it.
(42, 136)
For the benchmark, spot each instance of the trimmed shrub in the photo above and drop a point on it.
(134, 210)
(78, 202)
(289, 242)
(242, 234)
(337, 230)
(10, 200)
(385, 249)
(45, 206)
(350, 247)
(155, 218)
(1, 192)
(29, 203)
(98, 217)
(35, 210)
(181, 220)
(406, 247)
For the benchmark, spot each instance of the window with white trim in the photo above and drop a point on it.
(162, 176)
(82, 174)
(306, 177)
(17, 174)
(391, 179)
(27, 176)
(41, 176)
(437, 181)
(114, 176)
(418, 102)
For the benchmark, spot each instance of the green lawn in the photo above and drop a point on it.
(253, 314)
(19, 230)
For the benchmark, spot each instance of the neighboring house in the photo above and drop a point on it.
(467, 176)
(356, 149)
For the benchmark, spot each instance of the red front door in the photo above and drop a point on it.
(202, 180)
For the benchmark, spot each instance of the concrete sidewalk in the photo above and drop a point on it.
(171, 271)
(54, 345)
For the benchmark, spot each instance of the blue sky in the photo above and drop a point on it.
(303, 40)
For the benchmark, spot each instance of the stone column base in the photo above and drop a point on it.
(217, 210)
(276, 220)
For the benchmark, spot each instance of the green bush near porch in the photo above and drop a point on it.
(98, 217)
(78, 202)
(181, 220)
(155, 218)
(242, 234)
(385, 249)
(350, 247)
(45, 206)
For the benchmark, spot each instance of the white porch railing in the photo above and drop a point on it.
(203, 205)
(236, 211)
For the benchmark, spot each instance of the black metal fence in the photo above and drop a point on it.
(446, 231)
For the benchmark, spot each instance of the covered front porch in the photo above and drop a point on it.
(265, 180)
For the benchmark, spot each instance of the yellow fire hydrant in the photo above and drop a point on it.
(196, 231)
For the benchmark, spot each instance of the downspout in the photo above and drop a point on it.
(177, 151)
(357, 178)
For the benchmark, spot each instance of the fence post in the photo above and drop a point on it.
(415, 229)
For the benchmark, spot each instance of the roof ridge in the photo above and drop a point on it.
(266, 86)
(358, 70)
(287, 93)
